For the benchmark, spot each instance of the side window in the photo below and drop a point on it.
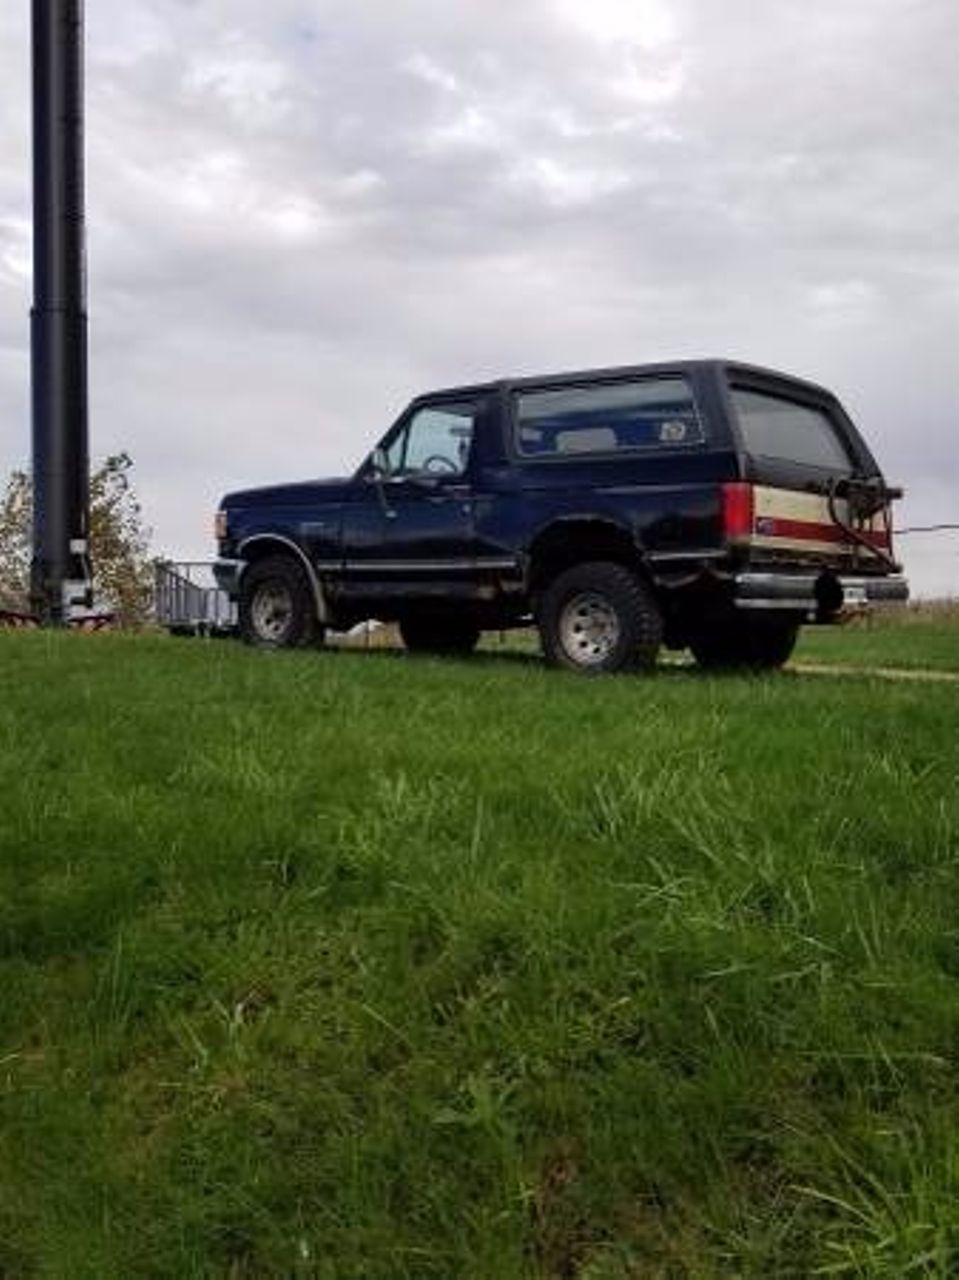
(648, 413)
(435, 441)
(774, 427)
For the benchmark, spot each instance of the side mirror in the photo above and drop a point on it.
(379, 464)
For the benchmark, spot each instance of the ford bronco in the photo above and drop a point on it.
(702, 504)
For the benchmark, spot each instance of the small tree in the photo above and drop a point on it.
(119, 542)
(16, 520)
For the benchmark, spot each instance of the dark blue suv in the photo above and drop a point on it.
(701, 504)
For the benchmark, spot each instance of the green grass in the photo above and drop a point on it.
(351, 965)
(920, 637)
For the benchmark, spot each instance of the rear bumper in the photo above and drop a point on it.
(823, 595)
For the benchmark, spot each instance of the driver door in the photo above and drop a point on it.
(426, 527)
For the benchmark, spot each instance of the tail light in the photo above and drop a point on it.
(738, 510)
(220, 529)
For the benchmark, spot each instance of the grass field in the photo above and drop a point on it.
(920, 637)
(354, 965)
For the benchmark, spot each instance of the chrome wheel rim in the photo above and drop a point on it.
(589, 629)
(272, 612)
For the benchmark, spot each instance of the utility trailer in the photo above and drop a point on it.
(188, 601)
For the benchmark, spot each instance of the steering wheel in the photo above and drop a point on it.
(438, 462)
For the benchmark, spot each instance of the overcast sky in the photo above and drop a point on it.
(303, 212)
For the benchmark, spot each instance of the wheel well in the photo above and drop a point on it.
(261, 548)
(573, 541)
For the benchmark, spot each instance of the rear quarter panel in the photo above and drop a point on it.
(668, 499)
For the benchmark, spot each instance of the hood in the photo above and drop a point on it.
(302, 493)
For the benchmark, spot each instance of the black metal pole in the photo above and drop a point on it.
(60, 571)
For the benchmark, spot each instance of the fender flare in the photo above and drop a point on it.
(322, 609)
(583, 519)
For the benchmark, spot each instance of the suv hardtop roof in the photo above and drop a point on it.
(620, 371)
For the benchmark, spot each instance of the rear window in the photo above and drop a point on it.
(652, 413)
(777, 427)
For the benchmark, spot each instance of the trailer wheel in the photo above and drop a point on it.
(742, 643)
(276, 606)
(600, 617)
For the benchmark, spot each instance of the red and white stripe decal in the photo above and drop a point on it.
(784, 519)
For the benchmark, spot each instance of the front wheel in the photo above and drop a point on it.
(600, 617)
(277, 609)
(743, 643)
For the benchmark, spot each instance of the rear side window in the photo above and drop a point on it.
(776, 427)
(651, 413)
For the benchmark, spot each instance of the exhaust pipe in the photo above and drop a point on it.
(60, 571)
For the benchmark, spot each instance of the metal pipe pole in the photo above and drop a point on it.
(60, 574)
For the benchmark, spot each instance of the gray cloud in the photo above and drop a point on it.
(302, 213)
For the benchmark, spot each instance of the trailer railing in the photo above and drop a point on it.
(188, 601)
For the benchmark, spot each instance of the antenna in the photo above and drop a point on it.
(60, 572)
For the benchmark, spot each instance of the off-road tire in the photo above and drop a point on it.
(277, 609)
(599, 617)
(445, 637)
(744, 643)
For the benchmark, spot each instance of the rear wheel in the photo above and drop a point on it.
(443, 636)
(745, 643)
(277, 609)
(600, 617)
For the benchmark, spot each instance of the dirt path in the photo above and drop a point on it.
(921, 675)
